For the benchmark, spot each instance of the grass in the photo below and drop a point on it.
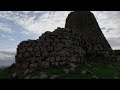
(103, 71)
(4, 74)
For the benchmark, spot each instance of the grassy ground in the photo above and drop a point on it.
(102, 71)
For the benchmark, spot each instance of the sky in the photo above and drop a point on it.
(16, 26)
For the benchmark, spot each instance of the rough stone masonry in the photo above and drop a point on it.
(80, 40)
(85, 23)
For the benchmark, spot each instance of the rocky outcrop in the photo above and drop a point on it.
(80, 40)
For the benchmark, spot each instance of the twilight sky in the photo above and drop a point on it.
(16, 26)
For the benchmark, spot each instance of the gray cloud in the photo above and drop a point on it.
(108, 30)
(114, 42)
(103, 28)
(109, 19)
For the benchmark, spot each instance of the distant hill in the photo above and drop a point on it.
(7, 53)
(3, 66)
(6, 58)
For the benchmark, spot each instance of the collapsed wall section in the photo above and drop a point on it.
(52, 49)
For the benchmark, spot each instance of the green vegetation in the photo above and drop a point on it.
(102, 71)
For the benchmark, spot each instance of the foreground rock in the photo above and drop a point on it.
(26, 71)
(72, 69)
(83, 72)
(43, 76)
(53, 77)
(95, 77)
(72, 65)
(66, 71)
(14, 75)
(27, 77)
(35, 77)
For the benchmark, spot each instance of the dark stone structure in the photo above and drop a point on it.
(85, 23)
(52, 49)
(80, 40)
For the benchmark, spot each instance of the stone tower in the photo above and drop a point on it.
(85, 23)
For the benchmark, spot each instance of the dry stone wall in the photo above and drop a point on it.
(52, 49)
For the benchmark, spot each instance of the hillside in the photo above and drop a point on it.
(93, 70)
(7, 58)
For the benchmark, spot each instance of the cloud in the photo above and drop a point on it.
(3, 36)
(11, 39)
(5, 28)
(8, 48)
(46, 21)
(114, 42)
(7, 52)
(36, 22)
(6, 58)
(7, 37)
(110, 20)
(3, 56)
